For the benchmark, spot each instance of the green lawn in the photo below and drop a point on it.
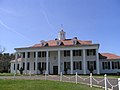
(41, 85)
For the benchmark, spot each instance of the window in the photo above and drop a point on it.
(39, 65)
(23, 66)
(23, 54)
(91, 64)
(28, 54)
(74, 42)
(77, 65)
(66, 65)
(39, 54)
(66, 53)
(28, 66)
(116, 65)
(44, 65)
(106, 65)
(76, 52)
(91, 52)
(42, 54)
(17, 66)
(34, 65)
(14, 66)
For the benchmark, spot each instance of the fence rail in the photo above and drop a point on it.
(89, 80)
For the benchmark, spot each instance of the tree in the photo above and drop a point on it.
(2, 50)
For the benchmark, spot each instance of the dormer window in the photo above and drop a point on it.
(74, 42)
(43, 43)
(59, 42)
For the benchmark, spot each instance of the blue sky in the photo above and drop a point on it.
(27, 22)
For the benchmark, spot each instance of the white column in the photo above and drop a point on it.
(110, 65)
(26, 62)
(47, 62)
(16, 61)
(84, 62)
(71, 61)
(59, 62)
(36, 62)
(97, 59)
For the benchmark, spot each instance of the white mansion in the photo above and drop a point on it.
(64, 55)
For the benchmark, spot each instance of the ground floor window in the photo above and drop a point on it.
(14, 66)
(66, 65)
(77, 65)
(23, 66)
(17, 66)
(106, 65)
(116, 65)
(91, 65)
(44, 65)
(28, 66)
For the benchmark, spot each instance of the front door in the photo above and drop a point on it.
(55, 69)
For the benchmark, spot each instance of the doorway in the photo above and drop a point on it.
(55, 70)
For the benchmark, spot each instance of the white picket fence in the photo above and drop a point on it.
(105, 80)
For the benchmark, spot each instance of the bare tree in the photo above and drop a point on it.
(2, 49)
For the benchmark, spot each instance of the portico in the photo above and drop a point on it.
(57, 59)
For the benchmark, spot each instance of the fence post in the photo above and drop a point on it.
(76, 78)
(90, 79)
(119, 83)
(61, 76)
(45, 76)
(105, 82)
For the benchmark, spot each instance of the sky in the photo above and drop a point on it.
(26, 22)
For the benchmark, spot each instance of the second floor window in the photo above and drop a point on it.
(76, 52)
(91, 52)
(28, 54)
(66, 53)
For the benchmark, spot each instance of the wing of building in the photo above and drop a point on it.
(64, 55)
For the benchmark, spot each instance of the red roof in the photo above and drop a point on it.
(66, 42)
(110, 56)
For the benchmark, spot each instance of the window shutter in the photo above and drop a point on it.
(34, 65)
(103, 66)
(95, 65)
(108, 65)
(23, 66)
(73, 65)
(64, 65)
(87, 52)
(94, 51)
(112, 65)
(88, 65)
(80, 65)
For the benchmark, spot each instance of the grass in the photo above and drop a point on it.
(6, 74)
(41, 85)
